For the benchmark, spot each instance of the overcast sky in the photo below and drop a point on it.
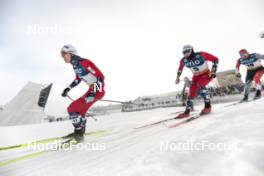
(136, 43)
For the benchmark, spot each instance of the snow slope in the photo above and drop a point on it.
(130, 152)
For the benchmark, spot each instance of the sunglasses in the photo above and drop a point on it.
(186, 51)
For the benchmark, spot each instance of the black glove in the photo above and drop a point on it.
(213, 71)
(238, 75)
(212, 75)
(65, 92)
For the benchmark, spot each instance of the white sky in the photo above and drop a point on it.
(136, 43)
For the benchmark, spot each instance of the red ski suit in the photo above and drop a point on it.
(87, 71)
(201, 73)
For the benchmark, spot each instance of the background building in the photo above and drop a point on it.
(27, 107)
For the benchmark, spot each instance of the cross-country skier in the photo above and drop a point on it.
(255, 70)
(86, 71)
(202, 75)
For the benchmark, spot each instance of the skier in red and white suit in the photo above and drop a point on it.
(255, 70)
(86, 71)
(202, 75)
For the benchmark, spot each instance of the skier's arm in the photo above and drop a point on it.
(238, 66)
(179, 72)
(181, 66)
(260, 56)
(214, 60)
(75, 82)
(238, 75)
(210, 57)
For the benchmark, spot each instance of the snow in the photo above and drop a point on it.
(22, 134)
(142, 152)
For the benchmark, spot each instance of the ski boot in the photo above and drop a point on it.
(207, 108)
(207, 102)
(244, 99)
(186, 113)
(257, 95)
(79, 134)
(79, 124)
(184, 104)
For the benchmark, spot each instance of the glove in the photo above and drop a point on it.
(238, 75)
(177, 81)
(212, 75)
(65, 92)
(213, 71)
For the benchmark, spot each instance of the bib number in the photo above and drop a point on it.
(251, 65)
(195, 69)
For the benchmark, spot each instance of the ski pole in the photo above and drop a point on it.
(70, 98)
(95, 119)
(114, 101)
(121, 102)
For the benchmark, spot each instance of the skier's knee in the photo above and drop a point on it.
(204, 93)
(77, 120)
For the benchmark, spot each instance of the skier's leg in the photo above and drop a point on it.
(207, 102)
(82, 104)
(200, 87)
(202, 83)
(78, 122)
(77, 115)
(195, 87)
(249, 78)
(257, 78)
(192, 94)
(247, 90)
(78, 109)
(89, 100)
(77, 118)
(248, 82)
